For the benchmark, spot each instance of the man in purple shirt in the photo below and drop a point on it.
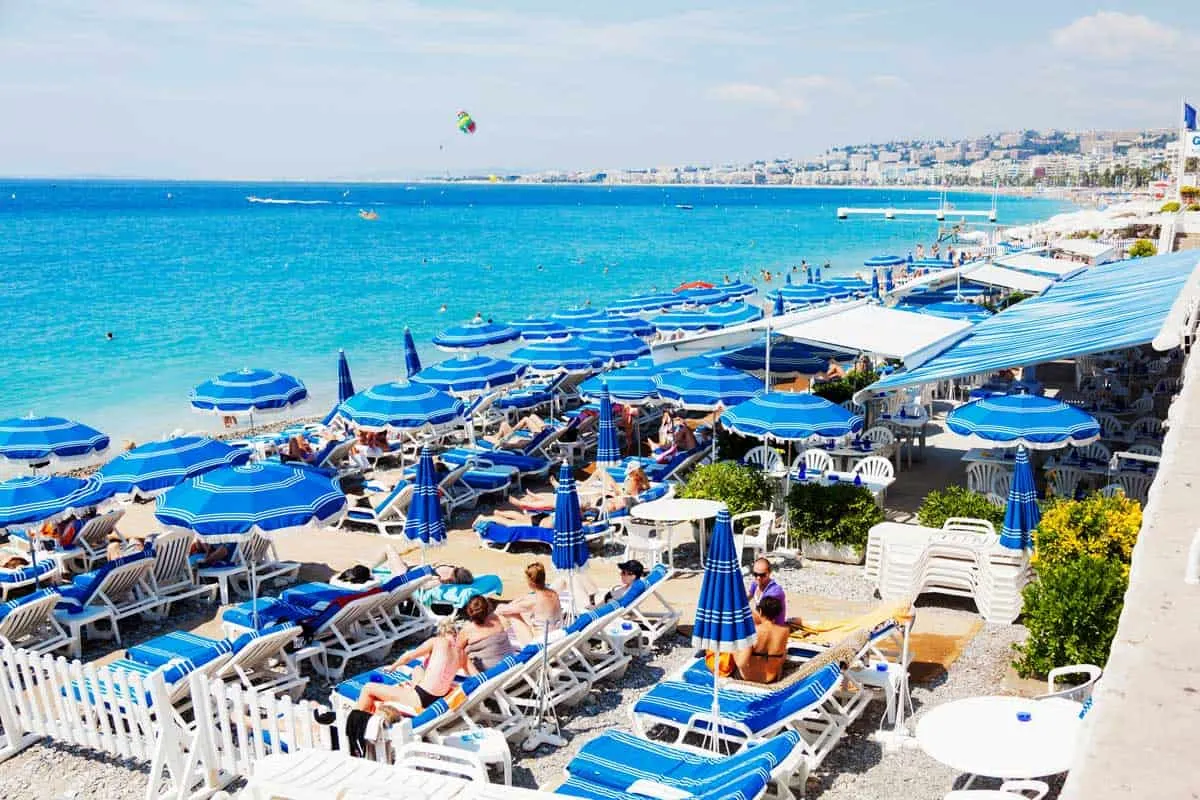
(762, 585)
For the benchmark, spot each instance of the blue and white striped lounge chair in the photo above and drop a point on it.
(526, 466)
(502, 537)
(234, 574)
(176, 656)
(675, 468)
(118, 589)
(386, 516)
(89, 546)
(654, 622)
(809, 704)
(390, 615)
(47, 571)
(29, 622)
(491, 478)
(594, 656)
(619, 765)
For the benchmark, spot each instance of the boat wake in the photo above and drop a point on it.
(282, 202)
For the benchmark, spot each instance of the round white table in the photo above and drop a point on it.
(678, 509)
(983, 736)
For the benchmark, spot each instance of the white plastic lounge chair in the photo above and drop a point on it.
(649, 610)
(1009, 790)
(256, 550)
(29, 623)
(387, 516)
(261, 661)
(89, 547)
(117, 590)
(174, 578)
(455, 492)
(46, 572)
(593, 656)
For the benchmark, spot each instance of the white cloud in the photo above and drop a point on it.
(893, 82)
(793, 94)
(1112, 35)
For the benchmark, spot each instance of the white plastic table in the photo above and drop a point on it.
(679, 509)
(487, 744)
(983, 736)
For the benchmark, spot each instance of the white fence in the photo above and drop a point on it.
(117, 713)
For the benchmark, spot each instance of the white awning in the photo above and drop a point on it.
(1041, 265)
(1085, 248)
(740, 335)
(932, 280)
(885, 332)
(992, 275)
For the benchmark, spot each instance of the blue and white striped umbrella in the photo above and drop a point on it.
(345, 386)
(154, 467)
(739, 289)
(574, 318)
(712, 318)
(705, 388)
(614, 347)
(956, 310)
(230, 503)
(657, 301)
(536, 329)
(1038, 423)
(470, 374)
(608, 449)
(777, 307)
(808, 275)
(788, 357)
(816, 274)
(568, 354)
(401, 405)
(257, 391)
(837, 291)
(852, 282)
(875, 285)
(412, 361)
(888, 283)
(633, 384)
(37, 440)
(634, 326)
(477, 333)
(27, 499)
(807, 293)
(1021, 515)
(790, 416)
(569, 550)
(723, 620)
(424, 522)
(703, 297)
(883, 261)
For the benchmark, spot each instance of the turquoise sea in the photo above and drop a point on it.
(194, 279)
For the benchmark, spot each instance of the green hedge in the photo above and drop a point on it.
(840, 390)
(841, 514)
(957, 501)
(739, 487)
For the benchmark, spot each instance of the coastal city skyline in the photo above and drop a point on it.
(367, 90)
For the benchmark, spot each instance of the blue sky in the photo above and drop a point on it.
(370, 88)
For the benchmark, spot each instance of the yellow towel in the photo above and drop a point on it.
(828, 632)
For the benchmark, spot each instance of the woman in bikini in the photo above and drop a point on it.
(538, 613)
(763, 661)
(443, 658)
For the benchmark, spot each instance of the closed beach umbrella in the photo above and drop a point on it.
(875, 285)
(808, 275)
(634, 326)
(401, 405)
(412, 361)
(569, 550)
(706, 388)
(788, 279)
(228, 504)
(468, 374)
(608, 450)
(816, 274)
(252, 391)
(723, 620)
(152, 468)
(614, 347)
(345, 385)
(1021, 514)
(657, 301)
(568, 354)
(790, 416)
(631, 385)
(424, 522)
(536, 329)
(35, 441)
(888, 284)
(788, 357)
(479, 332)
(777, 308)
(1038, 423)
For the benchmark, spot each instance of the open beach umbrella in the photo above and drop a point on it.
(249, 391)
(640, 303)
(723, 620)
(835, 291)
(1038, 423)
(883, 261)
(569, 354)
(739, 289)
(345, 385)
(35, 441)
(467, 374)
(401, 405)
(479, 332)
(573, 319)
(956, 310)
(412, 361)
(703, 297)
(424, 522)
(614, 347)
(631, 385)
(1021, 514)
(154, 467)
(788, 357)
(536, 329)
(706, 388)
(608, 450)
(807, 293)
(40, 498)
(790, 416)
(634, 326)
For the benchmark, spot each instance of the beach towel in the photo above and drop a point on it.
(832, 631)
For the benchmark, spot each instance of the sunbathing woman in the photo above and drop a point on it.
(434, 680)
(298, 449)
(763, 661)
(531, 423)
(666, 432)
(538, 613)
(483, 638)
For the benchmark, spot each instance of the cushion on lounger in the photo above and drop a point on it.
(82, 589)
(12, 605)
(178, 645)
(271, 611)
(28, 573)
(458, 595)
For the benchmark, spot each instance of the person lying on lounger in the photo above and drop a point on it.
(443, 658)
(298, 449)
(614, 496)
(530, 423)
(666, 433)
(682, 440)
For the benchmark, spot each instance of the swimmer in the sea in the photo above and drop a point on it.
(109, 336)
(443, 308)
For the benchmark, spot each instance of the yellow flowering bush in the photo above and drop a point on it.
(1102, 527)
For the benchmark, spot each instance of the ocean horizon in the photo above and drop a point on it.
(197, 278)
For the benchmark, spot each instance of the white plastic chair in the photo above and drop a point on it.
(1136, 486)
(1096, 452)
(1111, 428)
(1146, 428)
(766, 459)
(1001, 484)
(1009, 790)
(756, 533)
(1145, 449)
(814, 460)
(1143, 405)
(1112, 490)
(875, 467)
(1064, 481)
(879, 435)
(1078, 692)
(981, 475)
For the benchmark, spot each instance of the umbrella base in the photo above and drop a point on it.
(546, 733)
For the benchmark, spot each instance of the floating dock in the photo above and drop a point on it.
(943, 210)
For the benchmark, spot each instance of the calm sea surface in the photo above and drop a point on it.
(194, 279)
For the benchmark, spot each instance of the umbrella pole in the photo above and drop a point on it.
(547, 730)
(33, 537)
(254, 593)
(714, 725)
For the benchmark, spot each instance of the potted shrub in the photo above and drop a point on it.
(1143, 247)
(957, 501)
(832, 522)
